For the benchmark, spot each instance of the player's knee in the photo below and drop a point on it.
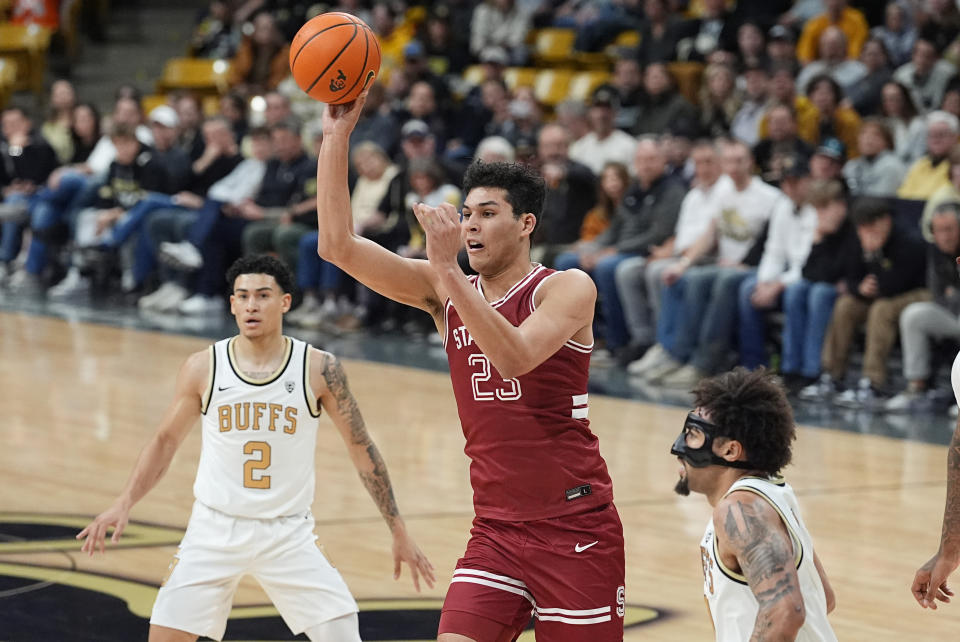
(345, 628)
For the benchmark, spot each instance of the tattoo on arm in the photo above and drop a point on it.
(950, 535)
(766, 561)
(376, 480)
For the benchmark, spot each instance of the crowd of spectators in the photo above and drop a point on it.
(806, 195)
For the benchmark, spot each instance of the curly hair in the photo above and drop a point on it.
(524, 186)
(262, 264)
(752, 408)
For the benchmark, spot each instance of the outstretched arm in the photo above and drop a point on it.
(408, 281)
(930, 582)
(329, 382)
(755, 539)
(155, 458)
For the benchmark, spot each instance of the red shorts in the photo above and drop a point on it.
(567, 571)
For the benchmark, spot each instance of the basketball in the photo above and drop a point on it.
(334, 56)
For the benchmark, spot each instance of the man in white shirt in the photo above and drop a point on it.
(926, 75)
(833, 61)
(745, 125)
(789, 240)
(640, 279)
(604, 143)
(698, 308)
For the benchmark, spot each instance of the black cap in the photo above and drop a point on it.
(414, 129)
(779, 32)
(794, 166)
(605, 96)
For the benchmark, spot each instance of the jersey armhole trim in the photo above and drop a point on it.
(794, 538)
(208, 392)
(312, 404)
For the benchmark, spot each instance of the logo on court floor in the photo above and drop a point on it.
(38, 598)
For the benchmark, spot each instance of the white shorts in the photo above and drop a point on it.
(282, 554)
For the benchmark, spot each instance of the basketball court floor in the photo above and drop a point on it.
(81, 390)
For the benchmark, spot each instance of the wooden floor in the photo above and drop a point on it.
(78, 402)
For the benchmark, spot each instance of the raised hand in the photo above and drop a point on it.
(442, 228)
(341, 119)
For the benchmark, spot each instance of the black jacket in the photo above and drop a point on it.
(34, 162)
(645, 218)
(126, 185)
(900, 265)
(565, 206)
(943, 278)
(828, 259)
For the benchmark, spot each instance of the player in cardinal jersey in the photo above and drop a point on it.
(546, 539)
(761, 576)
(259, 396)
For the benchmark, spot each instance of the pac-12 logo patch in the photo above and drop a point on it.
(289, 385)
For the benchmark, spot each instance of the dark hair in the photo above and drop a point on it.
(290, 124)
(909, 106)
(123, 130)
(524, 186)
(752, 408)
(833, 84)
(880, 125)
(259, 132)
(603, 200)
(869, 209)
(262, 264)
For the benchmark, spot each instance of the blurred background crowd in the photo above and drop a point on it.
(762, 182)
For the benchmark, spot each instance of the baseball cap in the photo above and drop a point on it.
(832, 148)
(414, 129)
(794, 166)
(606, 97)
(494, 55)
(779, 32)
(164, 115)
(413, 49)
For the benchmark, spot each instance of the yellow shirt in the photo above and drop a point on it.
(808, 121)
(924, 179)
(852, 23)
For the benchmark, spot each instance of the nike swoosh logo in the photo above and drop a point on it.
(581, 549)
(221, 389)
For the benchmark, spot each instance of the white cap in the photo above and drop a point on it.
(165, 115)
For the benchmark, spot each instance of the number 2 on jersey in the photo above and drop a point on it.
(509, 391)
(252, 465)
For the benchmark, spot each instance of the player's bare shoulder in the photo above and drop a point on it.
(196, 373)
(326, 372)
(574, 286)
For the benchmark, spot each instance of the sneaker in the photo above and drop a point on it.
(824, 389)
(794, 383)
(181, 256)
(72, 285)
(199, 304)
(16, 212)
(308, 308)
(685, 377)
(601, 357)
(166, 298)
(666, 366)
(908, 401)
(22, 282)
(651, 357)
(864, 396)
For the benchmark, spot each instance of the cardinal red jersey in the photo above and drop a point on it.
(531, 450)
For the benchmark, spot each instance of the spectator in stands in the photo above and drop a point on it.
(677, 142)
(570, 194)
(866, 95)
(837, 119)
(925, 322)
(496, 149)
(745, 125)
(597, 24)
(897, 33)
(164, 125)
(421, 104)
(751, 46)
(947, 193)
(427, 185)
(84, 132)
(832, 61)
(627, 82)
(133, 174)
(376, 124)
(262, 59)
(501, 23)
(788, 243)
(446, 51)
(640, 279)
(951, 97)
(880, 282)
(877, 171)
(289, 195)
(604, 143)
(808, 302)
(190, 120)
(940, 22)
(26, 161)
(926, 75)
(783, 90)
(664, 104)
(906, 124)
(393, 32)
(613, 180)
(699, 305)
(781, 48)
(56, 128)
(233, 107)
(572, 116)
(719, 100)
(415, 69)
(660, 33)
(645, 220)
(850, 21)
(930, 172)
(526, 117)
(781, 144)
(215, 34)
(714, 30)
(827, 161)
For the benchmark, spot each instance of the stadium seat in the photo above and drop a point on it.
(554, 46)
(627, 40)
(552, 85)
(151, 101)
(8, 77)
(473, 75)
(196, 74)
(27, 46)
(688, 76)
(519, 77)
(584, 83)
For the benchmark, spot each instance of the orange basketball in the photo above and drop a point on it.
(334, 56)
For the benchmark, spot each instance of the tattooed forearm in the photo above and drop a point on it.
(336, 380)
(377, 482)
(950, 537)
(766, 560)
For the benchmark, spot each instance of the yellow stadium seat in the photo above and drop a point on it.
(554, 45)
(687, 76)
(519, 77)
(196, 74)
(8, 78)
(473, 75)
(211, 105)
(627, 39)
(151, 101)
(552, 85)
(583, 84)
(27, 46)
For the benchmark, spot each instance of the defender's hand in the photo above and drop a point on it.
(94, 534)
(930, 582)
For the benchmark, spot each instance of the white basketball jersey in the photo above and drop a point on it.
(955, 377)
(732, 604)
(259, 436)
